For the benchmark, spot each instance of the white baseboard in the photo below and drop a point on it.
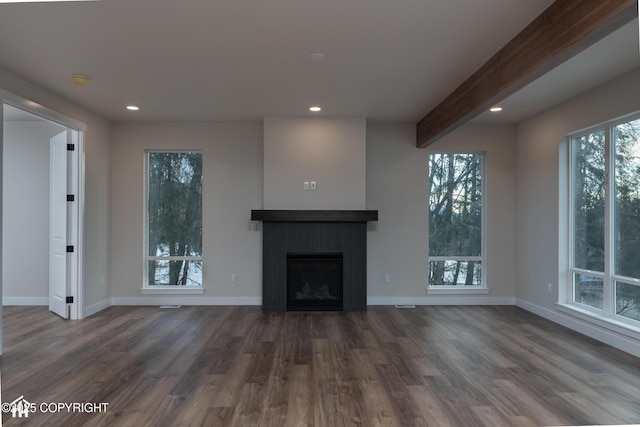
(186, 300)
(441, 300)
(621, 342)
(93, 309)
(25, 301)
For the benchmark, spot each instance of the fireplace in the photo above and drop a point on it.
(320, 237)
(314, 282)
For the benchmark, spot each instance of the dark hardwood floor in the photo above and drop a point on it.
(238, 366)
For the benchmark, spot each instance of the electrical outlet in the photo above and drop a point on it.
(306, 186)
(549, 288)
(387, 278)
(234, 277)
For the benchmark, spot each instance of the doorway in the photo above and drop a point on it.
(41, 207)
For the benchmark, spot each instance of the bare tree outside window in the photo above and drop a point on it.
(174, 219)
(589, 178)
(605, 184)
(455, 219)
(626, 137)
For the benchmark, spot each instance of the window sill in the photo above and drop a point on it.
(172, 290)
(456, 290)
(604, 322)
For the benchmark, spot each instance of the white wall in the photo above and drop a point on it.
(25, 217)
(538, 163)
(97, 233)
(232, 187)
(329, 151)
(397, 187)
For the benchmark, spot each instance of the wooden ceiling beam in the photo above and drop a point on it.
(564, 29)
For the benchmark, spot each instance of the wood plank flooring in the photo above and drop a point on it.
(238, 366)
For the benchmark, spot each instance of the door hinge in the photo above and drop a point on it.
(71, 147)
(69, 300)
(71, 198)
(69, 249)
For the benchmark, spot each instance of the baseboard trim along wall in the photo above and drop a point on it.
(186, 300)
(94, 308)
(441, 300)
(613, 339)
(25, 300)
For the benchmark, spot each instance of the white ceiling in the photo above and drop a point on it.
(241, 60)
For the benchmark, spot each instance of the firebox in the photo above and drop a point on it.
(314, 281)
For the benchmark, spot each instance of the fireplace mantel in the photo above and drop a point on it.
(314, 215)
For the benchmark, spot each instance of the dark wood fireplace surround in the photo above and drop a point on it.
(314, 231)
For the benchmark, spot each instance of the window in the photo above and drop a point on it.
(605, 220)
(456, 212)
(174, 220)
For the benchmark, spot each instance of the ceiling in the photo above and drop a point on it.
(241, 60)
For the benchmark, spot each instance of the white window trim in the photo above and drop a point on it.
(161, 289)
(457, 290)
(583, 312)
(174, 258)
(173, 290)
(467, 289)
(605, 318)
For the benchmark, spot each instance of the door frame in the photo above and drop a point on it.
(77, 272)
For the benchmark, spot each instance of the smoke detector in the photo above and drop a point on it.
(79, 80)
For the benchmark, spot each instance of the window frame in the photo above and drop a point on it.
(606, 316)
(164, 289)
(482, 258)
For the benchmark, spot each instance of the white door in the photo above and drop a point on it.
(58, 274)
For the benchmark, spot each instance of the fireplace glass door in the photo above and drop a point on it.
(314, 282)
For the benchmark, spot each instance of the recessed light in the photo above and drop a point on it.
(495, 109)
(133, 107)
(315, 109)
(318, 56)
